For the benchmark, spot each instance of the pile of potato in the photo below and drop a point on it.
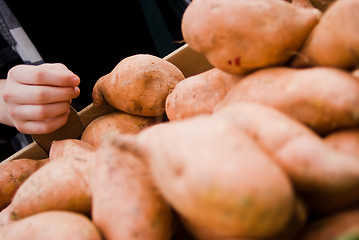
(263, 146)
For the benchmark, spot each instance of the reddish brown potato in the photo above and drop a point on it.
(313, 96)
(238, 36)
(335, 39)
(117, 122)
(54, 225)
(13, 174)
(139, 85)
(333, 226)
(199, 94)
(70, 148)
(126, 202)
(327, 179)
(217, 178)
(346, 141)
(59, 185)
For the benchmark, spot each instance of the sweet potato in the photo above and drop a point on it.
(13, 174)
(138, 84)
(297, 222)
(70, 148)
(240, 36)
(326, 179)
(314, 96)
(59, 185)
(332, 227)
(217, 178)
(335, 39)
(119, 122)
(322, 5)
(126, 202)
(199, 94)
(346, 141)
(54, 225)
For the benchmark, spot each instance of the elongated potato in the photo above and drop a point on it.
(326, 179)
(199, 94)
(333, 227)
(54, 225)
(13, 174)
(59, 185)
(138, 84)
(119, 122)
(313, 96)
(335, 39)
(217, 178)
(346, 140)
(238, 36)
(70, 148)
(126, 202)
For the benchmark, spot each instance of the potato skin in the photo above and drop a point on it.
(117, 122)
(238, 36)
(126, 202)
(346, 141)
(332, 226)
(139, 84)
(335, 39)
(199, 94)
(217, 178)
(13, 174)
(69, 177)
(326, 179)
(70, 148)
(55, 225)
(313, 96)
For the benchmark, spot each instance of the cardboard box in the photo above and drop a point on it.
(187, 60)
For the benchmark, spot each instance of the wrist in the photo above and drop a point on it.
(4, 114)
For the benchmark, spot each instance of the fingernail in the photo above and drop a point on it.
(77, 90)
(75, 80)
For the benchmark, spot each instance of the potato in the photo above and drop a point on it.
(332, 226)
(314, 96)
(335, 39)
(126, 202)
(346, 140)
(54, 225)
(326, 179)
(238, 36)
(138, 84)
(199, 94)
(217, 178)
(119, 122)
(13, 174)
(323, 5)
(70, 148)
(319, 4)
(59, 185)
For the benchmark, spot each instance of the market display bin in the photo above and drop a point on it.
(187, 60)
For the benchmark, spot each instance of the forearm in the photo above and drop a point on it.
(4, 114)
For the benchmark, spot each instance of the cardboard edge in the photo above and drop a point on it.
(32, 151)
(185, 58)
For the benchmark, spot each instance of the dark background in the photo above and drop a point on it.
(91, 37)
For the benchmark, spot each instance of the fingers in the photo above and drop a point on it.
(35, 94)
(39, 112)
(38, 97)
(40, 119)
(45, 74)
(43, 126)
